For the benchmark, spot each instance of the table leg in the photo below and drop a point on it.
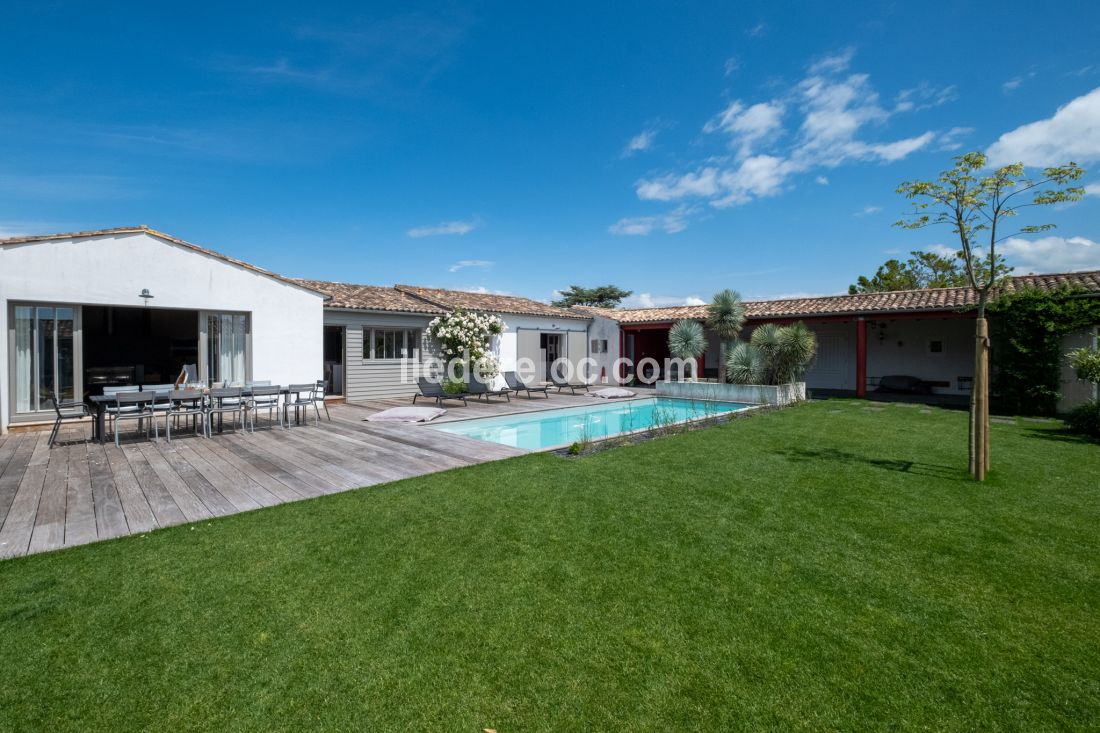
(100, 429)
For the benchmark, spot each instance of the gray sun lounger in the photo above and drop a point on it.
(479, 389)
(434, 391)
(517, 386)
(571, 386)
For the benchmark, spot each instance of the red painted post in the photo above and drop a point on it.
(861, 357)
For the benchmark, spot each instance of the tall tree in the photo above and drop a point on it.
(976, 206)
(725, 316)
(921, 270)
(603, 296)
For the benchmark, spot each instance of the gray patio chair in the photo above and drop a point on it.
(135, 406)
(111, 411)
(300, 397)
(319, 397)
(514, 384)
(66, 411)
(479, 389)
(224, 401)
(264, 397)
(434, 391)
(185, 403)
(561, 382)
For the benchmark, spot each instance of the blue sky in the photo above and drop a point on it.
(673, 149)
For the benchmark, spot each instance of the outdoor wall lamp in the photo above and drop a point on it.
(145, 295)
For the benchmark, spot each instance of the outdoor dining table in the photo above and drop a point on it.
(101, 402)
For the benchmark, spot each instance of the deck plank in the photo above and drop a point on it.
(15, 535)
(109, 515)
(139, 516)
(283, 490)
(188, 502)
(278, 462)
(161, 503)
(49, 520)
(247, 482)
(15, 454)
(237, 495)
(80, 524)
(215, 503)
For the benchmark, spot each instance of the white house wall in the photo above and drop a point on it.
(604, 329)
(903, 347)
(507, 344)
(112, 270)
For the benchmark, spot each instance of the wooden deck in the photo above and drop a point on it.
(81, 492)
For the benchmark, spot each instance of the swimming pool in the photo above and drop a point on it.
(568, 425)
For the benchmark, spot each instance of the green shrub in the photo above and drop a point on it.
(1085, 419)
(454, 386)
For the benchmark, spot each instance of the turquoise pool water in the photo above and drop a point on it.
(556, 428)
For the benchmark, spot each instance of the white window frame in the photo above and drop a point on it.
(402, 348)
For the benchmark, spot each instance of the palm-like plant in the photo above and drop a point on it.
(687, 340)
(773, 355)
(725, 316)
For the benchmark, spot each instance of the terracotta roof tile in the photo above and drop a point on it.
(370, 297)
(489, 302)
(933, 299)
(142, 229)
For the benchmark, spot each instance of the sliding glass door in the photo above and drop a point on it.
(44, 359)
(225, 341)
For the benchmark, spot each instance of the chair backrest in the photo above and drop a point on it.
(125, 399)
(184, 395)
(476, 386)
(222, 393)
(259, 383)
(301, 389)
(263, 390)
(319, 393)
(429, 388)
(57, 403)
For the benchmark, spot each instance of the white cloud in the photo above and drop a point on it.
(1051, 254)
(648, 300)
(641, 142)
(1092, 189)
(1016, 82)
(447, 227)
(822, 180)
(942, 250)
(757, 30)
(731, 66)
(642, 226)
(867, 211)
(702, 183)
(833, 109)
(950, 140)
(747, 126)
(834, 63)
(1072, 134)
(463, 264)
(924, 96)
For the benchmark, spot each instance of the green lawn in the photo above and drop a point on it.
(827, 566)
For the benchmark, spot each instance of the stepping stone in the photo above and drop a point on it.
(874, 409)
(1003, 420)
(834, 412)
(926, 412)
(1037, 419)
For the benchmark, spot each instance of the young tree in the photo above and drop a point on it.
(976, 206)
(725, 316)
(603, 296)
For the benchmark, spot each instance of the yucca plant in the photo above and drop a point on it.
(725, 316)
(773, 355)
(687, 340)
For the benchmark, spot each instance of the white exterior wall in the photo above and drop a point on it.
(506, 347)
(111, 270)
(604, 329)
(902, 347)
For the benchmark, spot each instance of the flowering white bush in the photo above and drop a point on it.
(468, 335)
